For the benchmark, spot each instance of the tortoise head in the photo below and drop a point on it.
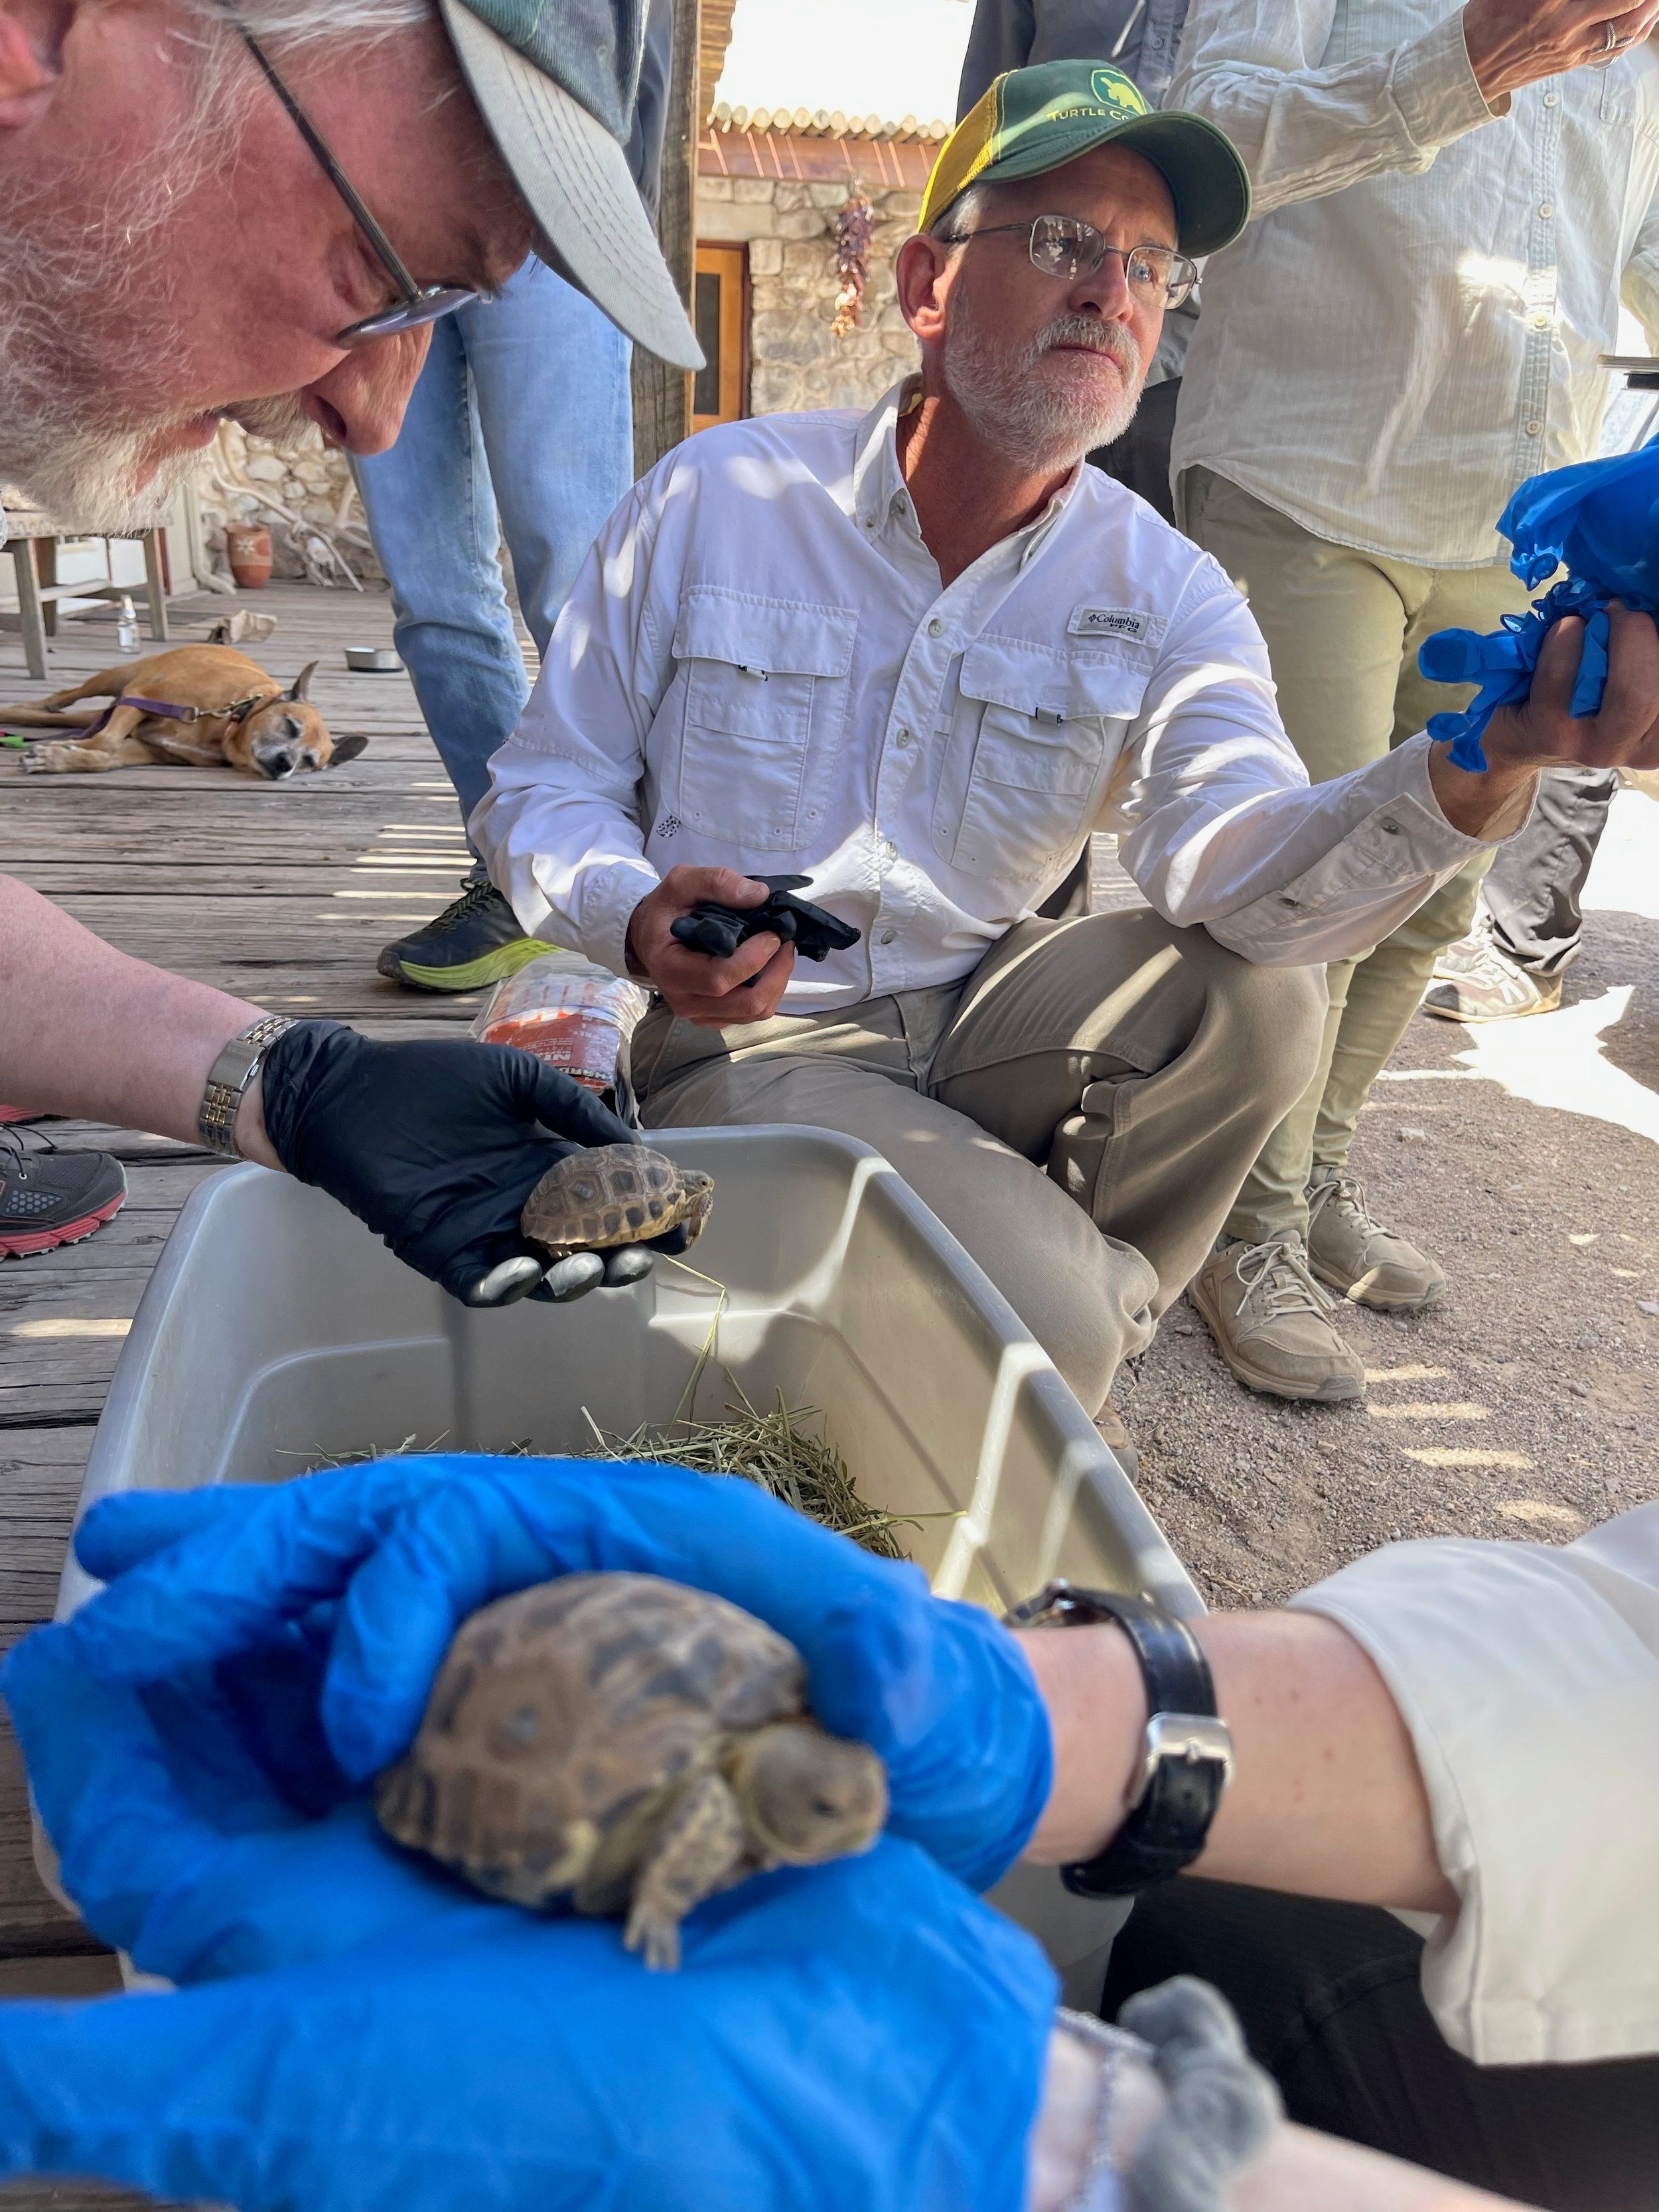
(806, 1795)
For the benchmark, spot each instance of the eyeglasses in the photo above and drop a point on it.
(417, 303)
(1064, 247)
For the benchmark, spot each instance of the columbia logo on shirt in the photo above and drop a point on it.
(1110, 621)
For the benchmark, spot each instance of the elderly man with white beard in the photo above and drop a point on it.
(180, 241)
(917, 659)
(210, 207)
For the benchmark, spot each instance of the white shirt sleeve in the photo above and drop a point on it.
(1219, 826)
(1640, 287)
(1253, 68)
(559, 829)
(1528, 1678)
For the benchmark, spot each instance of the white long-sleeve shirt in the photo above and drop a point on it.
(1528, 1678)
(758, 669)
(1409, 327)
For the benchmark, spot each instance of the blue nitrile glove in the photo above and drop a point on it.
(358, 2033)
(436, 1147)
(1598, 520)
(411, 1547)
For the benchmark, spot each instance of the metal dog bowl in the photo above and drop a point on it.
(373, 660)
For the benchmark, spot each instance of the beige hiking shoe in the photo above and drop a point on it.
(1272, 1324)
(1350, 1248)
(1109, 1423)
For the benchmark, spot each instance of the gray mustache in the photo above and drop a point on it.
(1098, 336)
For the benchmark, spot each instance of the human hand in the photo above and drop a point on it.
(1542, 732)
(357, 2034)
(436, 1147)
(407, 1548)
(1513, 43)
(715, 994)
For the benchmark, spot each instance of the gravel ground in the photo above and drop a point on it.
(1527, 1403)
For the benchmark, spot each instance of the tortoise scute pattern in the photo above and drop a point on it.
(623, 1744)
(615, 1194)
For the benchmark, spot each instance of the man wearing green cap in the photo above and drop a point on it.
(917, 658)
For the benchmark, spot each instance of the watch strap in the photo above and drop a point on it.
(1188, 1754)
(229, 1077)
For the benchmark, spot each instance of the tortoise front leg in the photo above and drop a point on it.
(701, 1849)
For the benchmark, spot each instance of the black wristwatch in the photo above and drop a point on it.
(1187, 1759)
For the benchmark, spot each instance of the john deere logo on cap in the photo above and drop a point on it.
(1114, 90)
(1030, 120)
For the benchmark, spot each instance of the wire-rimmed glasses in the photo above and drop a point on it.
(1065, 246)
(417, 304)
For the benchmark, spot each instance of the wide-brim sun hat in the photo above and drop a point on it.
(1032, 120)
(555, 84)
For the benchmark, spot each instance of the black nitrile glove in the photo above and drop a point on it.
(719, 930)
(436, 1147)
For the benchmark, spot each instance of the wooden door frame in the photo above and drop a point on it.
(728, 259)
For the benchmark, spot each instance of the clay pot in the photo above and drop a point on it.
(247, 548)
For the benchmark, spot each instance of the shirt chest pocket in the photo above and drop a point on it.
(765, 692)
(1033, 740)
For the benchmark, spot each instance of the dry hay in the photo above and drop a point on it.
(775, 1451)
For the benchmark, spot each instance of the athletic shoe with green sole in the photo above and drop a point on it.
(476, 940)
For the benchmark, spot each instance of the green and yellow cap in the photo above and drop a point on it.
(1034, 120)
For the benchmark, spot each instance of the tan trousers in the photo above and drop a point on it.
(1343, 630)
(1079, 1113)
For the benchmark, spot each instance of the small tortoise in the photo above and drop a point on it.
(624, 1744)
(615, 1194)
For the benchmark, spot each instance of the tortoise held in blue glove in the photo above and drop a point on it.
(623, 1744)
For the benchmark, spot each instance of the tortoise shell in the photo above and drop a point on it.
(563, 1717)
(613, 1194)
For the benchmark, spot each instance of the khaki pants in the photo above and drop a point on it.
(1079, 1113)
(1343, 630)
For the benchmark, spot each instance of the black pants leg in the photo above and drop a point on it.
(1141, 458)
(1533, 888)
(1330, 2003)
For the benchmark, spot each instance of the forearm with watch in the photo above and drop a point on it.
(436, 1146)
(89, 1031)
(1324, 1797)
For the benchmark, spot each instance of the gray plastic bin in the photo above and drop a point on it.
(277, 1333)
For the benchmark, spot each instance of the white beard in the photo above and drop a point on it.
(83, 283)
(1036, 422)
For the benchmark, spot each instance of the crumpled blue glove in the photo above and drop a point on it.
(1600, 520)
(358, 2033)
(437, 1147)
(409, 1548)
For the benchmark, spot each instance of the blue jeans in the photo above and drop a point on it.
(520, 425)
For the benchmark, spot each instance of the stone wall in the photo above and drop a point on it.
(796, 360)
(301, 490)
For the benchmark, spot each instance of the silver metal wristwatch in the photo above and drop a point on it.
(228, 1081)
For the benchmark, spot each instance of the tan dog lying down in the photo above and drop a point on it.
(199, 705)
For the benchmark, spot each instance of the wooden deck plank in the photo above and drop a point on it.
(282, 894)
